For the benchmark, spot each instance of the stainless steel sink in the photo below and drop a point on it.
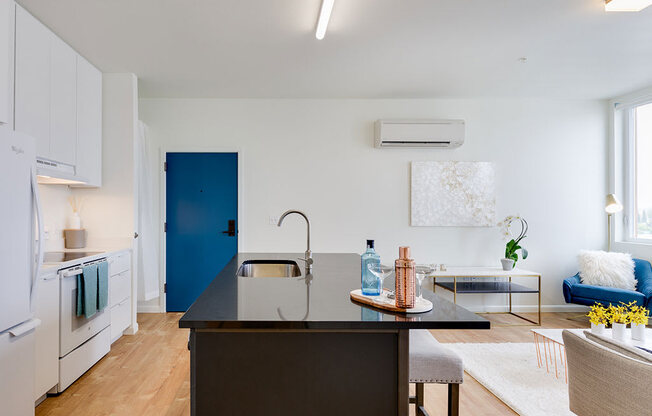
(269, 268)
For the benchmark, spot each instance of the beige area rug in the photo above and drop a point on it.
(510, 372)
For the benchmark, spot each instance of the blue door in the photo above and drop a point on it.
(202, 218)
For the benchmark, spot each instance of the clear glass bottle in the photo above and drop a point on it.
(370, 283)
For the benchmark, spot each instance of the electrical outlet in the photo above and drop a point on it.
(273, 220)
(46, 232)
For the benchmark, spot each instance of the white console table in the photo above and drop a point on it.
(482, 285)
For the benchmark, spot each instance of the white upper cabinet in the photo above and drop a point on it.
(32, 80)
(6, 60)
(63, 101)
(89, 122)
(58, 101)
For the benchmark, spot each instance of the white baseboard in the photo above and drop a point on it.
(149, 309)
(131, 330)
(529, 308)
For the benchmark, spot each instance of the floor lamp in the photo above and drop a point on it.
(612, 207)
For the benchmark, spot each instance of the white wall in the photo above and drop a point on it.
(318, 156)
(56, 214)
(109, 211)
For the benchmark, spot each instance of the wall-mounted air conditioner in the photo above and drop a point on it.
(443, 134)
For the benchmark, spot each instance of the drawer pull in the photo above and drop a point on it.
(50, 277)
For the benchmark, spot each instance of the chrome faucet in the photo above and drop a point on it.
(308, 254)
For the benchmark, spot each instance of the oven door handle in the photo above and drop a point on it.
(70, 273)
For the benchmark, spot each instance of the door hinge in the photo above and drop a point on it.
(165, 227)
(165, 288)
(165, 166)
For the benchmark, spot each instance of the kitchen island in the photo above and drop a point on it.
(300, 346)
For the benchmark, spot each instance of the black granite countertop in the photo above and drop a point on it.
(318, 302)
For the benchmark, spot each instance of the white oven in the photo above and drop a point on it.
(82, 341)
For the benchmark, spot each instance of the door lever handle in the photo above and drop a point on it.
(231, 231)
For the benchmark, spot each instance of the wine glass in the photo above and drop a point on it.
(422, 270)
(381, 271)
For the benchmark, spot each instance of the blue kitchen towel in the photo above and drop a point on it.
(102, 285)
(80, 295)
(87, 291)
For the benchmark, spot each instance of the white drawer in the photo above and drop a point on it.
(119, 287)
(73, 365)
(120, 318)
(119, 263)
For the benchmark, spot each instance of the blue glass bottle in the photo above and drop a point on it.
(370, 283)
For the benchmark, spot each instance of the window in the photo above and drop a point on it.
(640, 193)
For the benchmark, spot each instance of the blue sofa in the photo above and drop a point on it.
(576, 292)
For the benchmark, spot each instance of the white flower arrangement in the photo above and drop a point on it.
(513, 244)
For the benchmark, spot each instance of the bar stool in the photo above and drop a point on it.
(431, 362)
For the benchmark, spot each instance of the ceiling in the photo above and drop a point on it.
(373, 48)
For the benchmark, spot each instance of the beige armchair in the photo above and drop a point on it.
(606, 377)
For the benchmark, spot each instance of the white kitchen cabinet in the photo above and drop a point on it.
(32, 80)
(46, 358)
(58, 101)
(120, 282)
(89, 123)
(6, 61)
(63, 101)
(120, 319)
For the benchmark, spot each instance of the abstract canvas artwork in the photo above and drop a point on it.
(453, 194)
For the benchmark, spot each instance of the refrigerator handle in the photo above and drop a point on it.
(25, 327)
(39, 255)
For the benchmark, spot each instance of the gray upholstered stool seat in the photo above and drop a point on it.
(431, 362)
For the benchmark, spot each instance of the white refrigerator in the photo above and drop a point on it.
(21, 256)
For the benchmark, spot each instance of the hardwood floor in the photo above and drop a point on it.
(148, 373)
(144, 374)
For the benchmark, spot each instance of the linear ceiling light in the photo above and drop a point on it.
(324, 17)
(626, 5)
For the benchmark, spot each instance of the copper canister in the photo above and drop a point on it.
(405, 279)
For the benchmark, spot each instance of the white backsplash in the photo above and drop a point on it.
(56, 214)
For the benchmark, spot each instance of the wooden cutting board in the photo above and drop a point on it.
(382, 302)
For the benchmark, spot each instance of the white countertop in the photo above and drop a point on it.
(47, 267)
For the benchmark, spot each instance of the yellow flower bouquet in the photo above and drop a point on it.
(598, 314)
(620, 314)
(599, 318)
(639, 317)
(619, 318)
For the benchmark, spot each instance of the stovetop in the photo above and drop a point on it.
(61, 256)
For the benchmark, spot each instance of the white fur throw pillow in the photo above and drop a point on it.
(600, 268)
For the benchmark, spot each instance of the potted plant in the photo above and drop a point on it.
(619, 318)
(599, 318)
(639, 317)
(513, 245)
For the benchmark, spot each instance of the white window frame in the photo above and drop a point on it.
(623, 164)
